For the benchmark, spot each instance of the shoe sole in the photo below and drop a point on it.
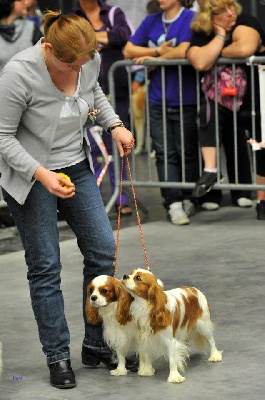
(67, 386)
(181, 222)
(90, 361)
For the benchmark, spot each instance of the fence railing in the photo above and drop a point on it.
(150, 179)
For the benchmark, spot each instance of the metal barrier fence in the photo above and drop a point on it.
(151, 180)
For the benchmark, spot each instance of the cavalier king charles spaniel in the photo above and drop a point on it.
(167, 321)
(108, 302)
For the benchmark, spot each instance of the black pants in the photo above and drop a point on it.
(207, 139)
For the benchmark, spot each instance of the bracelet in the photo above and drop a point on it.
(157, 53)
(220, 36)
(117, 125)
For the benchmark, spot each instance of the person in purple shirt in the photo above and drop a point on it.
(166, 35)
(111, 37)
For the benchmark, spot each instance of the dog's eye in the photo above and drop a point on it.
(137, 278)
(103, 291)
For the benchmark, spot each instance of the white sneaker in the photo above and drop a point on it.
(244, 202)
(188, 207)
(177, 215)
(210, 206)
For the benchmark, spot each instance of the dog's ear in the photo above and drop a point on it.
(92, 314)
(124, 301)
(160, 316)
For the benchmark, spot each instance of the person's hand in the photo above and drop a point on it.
(219, 30)
(140, 60)
(55, 183)
(123, 139)
(164, 48)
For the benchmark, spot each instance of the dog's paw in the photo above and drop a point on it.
(119, 372)
(175, 378)
(150, 371)
(216, 356)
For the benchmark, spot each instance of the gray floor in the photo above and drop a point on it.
(221, 253)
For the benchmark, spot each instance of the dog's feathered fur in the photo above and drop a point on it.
(138, 112)
(109, 302)
(168, 320)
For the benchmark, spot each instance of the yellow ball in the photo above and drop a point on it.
(65, 177)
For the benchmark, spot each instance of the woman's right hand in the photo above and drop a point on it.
(219, 30)
(55, 183)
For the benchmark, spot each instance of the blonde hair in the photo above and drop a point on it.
(70, 36)
(203, 19)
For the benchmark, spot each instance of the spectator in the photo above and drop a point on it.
(166, 35)
(16, 34)
(47, 93)
(34, 13)
(135, 10)
(219, 29)
(111, 39)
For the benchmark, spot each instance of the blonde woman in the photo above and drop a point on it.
(46, 95)
(221, 29)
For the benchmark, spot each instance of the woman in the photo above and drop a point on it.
(220, 29)
(47, 93)
(16, 32)
(112, 34)
(167, 35)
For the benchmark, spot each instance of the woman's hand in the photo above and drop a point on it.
(55, 183)
(123, 139)
(219, 30)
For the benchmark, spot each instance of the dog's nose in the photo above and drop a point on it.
(125, 277)
(93, 298)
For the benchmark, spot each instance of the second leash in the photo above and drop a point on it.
(137, 216)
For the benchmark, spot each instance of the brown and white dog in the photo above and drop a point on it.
(108, 302)
(167, 321)
(138, 112)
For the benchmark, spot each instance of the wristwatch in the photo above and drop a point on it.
(116, 125)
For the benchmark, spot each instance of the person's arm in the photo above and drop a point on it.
(102, 38)
(246, 41)
(118, 33)
(132, 51)
(179, 51)
(202, 58)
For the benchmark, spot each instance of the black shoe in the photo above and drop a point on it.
(93, 357)
(205, 183)
(62, 375)
(260, 208)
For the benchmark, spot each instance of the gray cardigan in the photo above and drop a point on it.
(30, 106)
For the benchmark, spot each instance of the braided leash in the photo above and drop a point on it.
(137, 216)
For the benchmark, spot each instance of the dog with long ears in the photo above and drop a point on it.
(138, 113)
(108, 302)
(167, 321)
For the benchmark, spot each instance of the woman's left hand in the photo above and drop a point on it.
(123, 139)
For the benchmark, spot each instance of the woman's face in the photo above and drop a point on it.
(225, 16)
(20, 8)
(167, 4)
(63, 66)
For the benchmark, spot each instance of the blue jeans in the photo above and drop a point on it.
(37, 224)
(173, 150)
